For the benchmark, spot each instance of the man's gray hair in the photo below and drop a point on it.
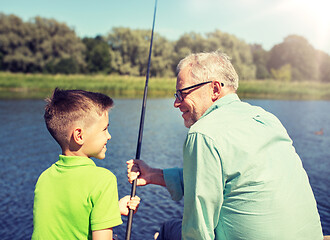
(210, 66)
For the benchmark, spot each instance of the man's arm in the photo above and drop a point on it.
(203, 188)
(171, 178)
(174, 182)
(104, 234)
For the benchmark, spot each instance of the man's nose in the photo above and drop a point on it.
(177, 103)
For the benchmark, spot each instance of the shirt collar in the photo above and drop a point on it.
(225, 100)
(69, 161)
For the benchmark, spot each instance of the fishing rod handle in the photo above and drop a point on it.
(130, 213)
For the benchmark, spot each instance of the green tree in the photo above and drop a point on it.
(236, 49)
(162, 56)
(193, 41)
(260, 58)
(1, 61)
(14, 44)
(33, 45)
(323, 61)
(296, 51)
(177, 56)
(55, 42)
(66, 66)
(98, 56)
(130, 49)
(188, 43)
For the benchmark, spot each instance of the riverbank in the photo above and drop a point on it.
(38, 86)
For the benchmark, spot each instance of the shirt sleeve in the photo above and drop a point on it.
(105, 212)
(203, 187)
(174, 182)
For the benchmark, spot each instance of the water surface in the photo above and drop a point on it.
(27, 149)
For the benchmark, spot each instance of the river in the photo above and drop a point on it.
(27, 149)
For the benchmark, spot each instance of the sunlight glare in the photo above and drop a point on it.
(313, 13)
(316, 10)
(319, 9)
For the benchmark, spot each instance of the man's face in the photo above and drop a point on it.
(195, 101)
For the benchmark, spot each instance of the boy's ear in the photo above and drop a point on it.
(78, 136)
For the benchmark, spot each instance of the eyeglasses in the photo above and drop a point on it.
(178, 95)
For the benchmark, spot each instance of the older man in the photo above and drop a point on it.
(241, 177)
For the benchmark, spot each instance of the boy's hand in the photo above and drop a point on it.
(127, 203)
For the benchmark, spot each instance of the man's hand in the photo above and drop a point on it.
(127, 203)
(138, 169)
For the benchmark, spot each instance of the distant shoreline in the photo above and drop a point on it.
(39, 86)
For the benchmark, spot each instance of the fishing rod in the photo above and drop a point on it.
(139, 143)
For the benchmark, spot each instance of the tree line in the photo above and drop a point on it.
(43, 45)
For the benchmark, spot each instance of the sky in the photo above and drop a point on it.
(264, 22)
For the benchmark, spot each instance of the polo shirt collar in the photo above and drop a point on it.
(70, 161)
(225, 100)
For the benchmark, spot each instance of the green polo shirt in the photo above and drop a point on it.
(73, 198)
(243, 178)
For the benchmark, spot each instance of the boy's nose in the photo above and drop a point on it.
(109, 136)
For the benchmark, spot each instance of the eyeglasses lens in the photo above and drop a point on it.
(178, 96)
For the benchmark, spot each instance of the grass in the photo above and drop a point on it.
(18, 85)
(271, 89)
(38, 85)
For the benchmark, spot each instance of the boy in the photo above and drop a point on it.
(74, 199)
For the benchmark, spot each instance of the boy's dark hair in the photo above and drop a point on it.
(66, 107)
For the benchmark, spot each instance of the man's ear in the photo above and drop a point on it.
(77, 135)
(216, 90)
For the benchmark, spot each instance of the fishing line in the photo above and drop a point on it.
(139, 143)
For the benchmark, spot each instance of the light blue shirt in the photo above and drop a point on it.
(242, 178)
